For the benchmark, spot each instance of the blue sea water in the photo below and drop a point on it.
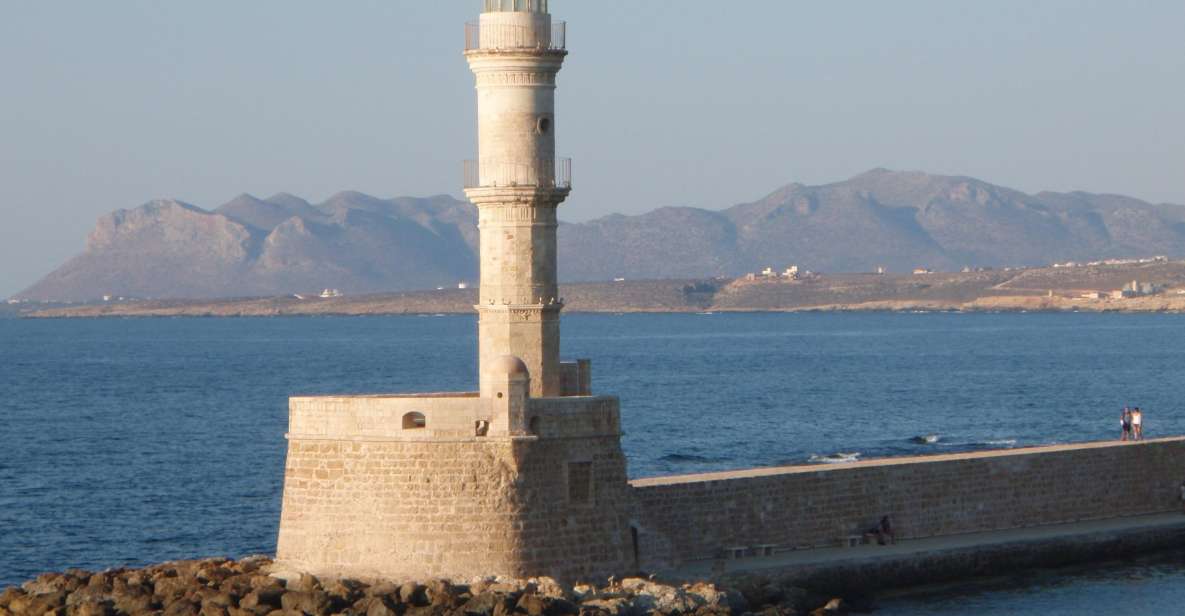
(138, 440)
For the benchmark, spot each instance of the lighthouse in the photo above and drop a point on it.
(515, 52)
(524, 477)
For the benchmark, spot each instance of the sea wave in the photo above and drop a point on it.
(836, 458)
(690, 458)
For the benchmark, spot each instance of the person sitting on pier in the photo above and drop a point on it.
(882, 532)
(887, 531)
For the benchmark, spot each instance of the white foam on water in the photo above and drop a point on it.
(836, 458)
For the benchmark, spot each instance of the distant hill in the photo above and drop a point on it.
(362, 244)
(273, 246)
(899, 220)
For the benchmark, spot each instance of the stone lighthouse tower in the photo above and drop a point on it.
(515, 51)
(524, 477)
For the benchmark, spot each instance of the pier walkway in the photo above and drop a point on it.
(913, 561)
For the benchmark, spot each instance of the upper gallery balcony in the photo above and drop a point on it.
(544, 173)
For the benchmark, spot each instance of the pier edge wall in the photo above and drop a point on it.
(691, 518)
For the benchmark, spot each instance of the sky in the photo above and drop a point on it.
(107, 105)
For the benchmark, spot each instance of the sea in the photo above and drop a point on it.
(132, 441)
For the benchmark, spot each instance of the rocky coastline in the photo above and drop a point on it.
(255, 586)
(1081, 289)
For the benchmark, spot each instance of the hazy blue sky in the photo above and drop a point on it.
(107, 104)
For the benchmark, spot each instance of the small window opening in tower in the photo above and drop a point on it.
(544, 126)
(579, 483)
(482, 427)
(414, 421)
(533, 426)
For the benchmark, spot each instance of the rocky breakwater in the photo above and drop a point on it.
(256, 587)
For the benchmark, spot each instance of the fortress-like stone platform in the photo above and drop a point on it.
(406, 487)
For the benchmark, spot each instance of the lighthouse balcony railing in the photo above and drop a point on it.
(511, 37)
(544, 173)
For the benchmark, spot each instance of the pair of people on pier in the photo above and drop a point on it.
(1132, 422)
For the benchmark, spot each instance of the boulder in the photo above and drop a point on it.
(40, 603)
(169, 589)
(310, 602)
(550, 587)
(135, 603)
(88, 594)
(211, 609)
(481, 604)
(375, 607)
(531, 605)
(611, 607)
(440, 593)
(300, 582)
(182, 607)
(412, 593)
(345, 589)
(384, 589)
(263, 600)
(215, 597)
(10, 593)
(92, 608)
(834, 607)
(48, 583)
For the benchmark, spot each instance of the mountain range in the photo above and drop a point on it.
(362, 244)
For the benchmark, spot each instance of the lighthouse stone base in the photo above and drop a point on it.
(418, 487)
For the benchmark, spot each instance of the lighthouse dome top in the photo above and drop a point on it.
(515, 6)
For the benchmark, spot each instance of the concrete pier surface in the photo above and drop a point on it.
(916, 562)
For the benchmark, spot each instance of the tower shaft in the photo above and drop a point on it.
(515, 52)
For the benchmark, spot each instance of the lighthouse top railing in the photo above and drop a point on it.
(542, 173)
(508, 36)
(514, 6)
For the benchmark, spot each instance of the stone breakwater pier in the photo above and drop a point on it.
(526, 477)
(955, 516)
(754, 533)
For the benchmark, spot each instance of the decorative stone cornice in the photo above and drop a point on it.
(537, 196)
(518, 309)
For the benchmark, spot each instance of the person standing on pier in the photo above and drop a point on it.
(1137, 424)
(1125, 420)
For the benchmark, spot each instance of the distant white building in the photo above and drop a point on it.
(1140, 289)
(791, 272)
(922, 271)
(328, 293)
(462, 285)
